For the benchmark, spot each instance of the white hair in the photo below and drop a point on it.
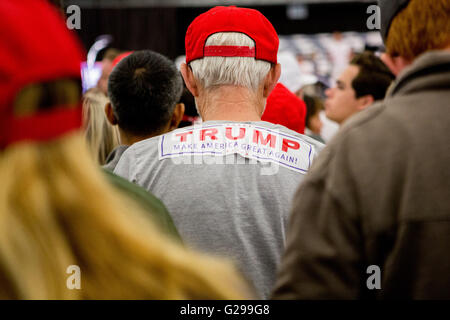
(241, 71)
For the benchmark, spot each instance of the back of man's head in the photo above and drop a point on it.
(239, 71)
(374, 77)
(144, 89)
(231, 46)
(413, 27)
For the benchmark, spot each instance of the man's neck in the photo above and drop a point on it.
(128, 139)
(232, 103)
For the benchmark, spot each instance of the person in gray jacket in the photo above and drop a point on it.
(228, 183)
(372, 218)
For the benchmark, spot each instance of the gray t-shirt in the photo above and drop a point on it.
(228, 187)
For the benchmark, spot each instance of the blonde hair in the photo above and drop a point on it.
(102, 137)
(240, 71)
(422, 26)
(56, 210)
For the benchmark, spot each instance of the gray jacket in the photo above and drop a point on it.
(379, 195)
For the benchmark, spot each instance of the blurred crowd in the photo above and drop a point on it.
(252, 167)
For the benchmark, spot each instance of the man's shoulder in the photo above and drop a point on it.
(145, 144)
(146, 200)
(356, 125)
(153, 142)
(385, 119)
(260, 141)
(257, 140)
(129, 162)
(143, 147)
(315, 143)
(365, 118)
(375, 133)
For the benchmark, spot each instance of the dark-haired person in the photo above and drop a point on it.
(364, 81)
(372, 218)
(144, 88)
(313, 123)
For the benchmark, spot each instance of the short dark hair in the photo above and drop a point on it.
(313, 106)
(144, 89)
(374, 77)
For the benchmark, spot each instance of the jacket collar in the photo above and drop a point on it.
(430, 70)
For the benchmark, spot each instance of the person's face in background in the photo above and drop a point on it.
(337, 36)
(341, 102)
(315, 124)
(102, 84)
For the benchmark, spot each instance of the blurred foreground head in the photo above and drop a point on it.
(413, 27)
(56, 210)
(40, 69)
(234, 49)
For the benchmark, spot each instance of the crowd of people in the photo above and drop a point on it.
(127, 184)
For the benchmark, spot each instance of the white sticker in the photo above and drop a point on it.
(249, 140)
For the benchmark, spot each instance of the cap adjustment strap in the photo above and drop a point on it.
(229, 51)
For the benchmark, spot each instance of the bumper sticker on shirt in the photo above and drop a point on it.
(248, 140)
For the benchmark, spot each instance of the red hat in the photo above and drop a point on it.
(35, 47)
(232, 19)
(285, 108)
(120, 57)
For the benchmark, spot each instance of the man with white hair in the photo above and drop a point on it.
(229, 182)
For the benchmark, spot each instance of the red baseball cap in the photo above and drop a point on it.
(232, 19)
(120, 57)
(35, 47)
(285, 108)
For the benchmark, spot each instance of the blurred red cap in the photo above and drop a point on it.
(120, 57)
(285, 108)
(35, 47)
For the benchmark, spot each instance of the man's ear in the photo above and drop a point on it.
(110, 114)
(395, 64)
(189, 79)
(271, 79)
(177, 116)
(365, 101)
